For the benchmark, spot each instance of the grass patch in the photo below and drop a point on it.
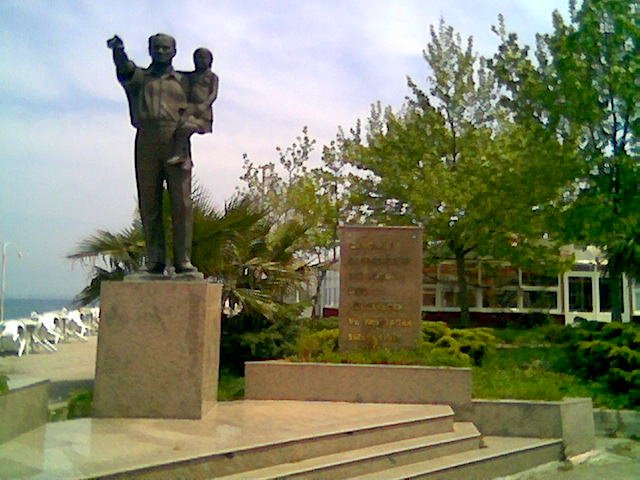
(4, 383)
(230, 386)
(58, 412)
(537, 364)
(526, 373)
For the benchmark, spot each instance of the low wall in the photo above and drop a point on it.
(23, 408)
(618, 423)
(280, 380)
(570, 419)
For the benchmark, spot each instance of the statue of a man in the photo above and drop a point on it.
(158, 98)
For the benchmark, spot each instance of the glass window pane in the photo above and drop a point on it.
(500, 298)
(499, 276)
(538, 299)
(580, 294)
(536, 280)
(605, 295)
(448, 272)
(430, 274)
(429, 298)
(450, 296)
(509, 276)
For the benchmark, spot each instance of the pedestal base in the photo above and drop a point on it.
(158, 349)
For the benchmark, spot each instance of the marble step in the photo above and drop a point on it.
(464, 436)
(435, 419)
(498, 457)
(419, 421)
(234, 437)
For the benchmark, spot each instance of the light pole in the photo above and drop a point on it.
(3, 288)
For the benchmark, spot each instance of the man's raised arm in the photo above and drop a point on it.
(124, 66)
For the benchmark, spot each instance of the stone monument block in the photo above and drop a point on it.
(158, 349)
(380, 287)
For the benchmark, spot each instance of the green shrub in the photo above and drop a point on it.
(426, 355)
(474, 342)
(311, 345)
(322, 346)
(442, 356)
(432, 331)
(317, 324)
(4, 384)
(555, 333)
(533, 320)
(80, 404)
(440, 346)
(245, 338)
(608, 354)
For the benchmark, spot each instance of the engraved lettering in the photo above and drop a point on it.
(380, 272)
(377, 306)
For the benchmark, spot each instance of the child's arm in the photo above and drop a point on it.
(214, 90)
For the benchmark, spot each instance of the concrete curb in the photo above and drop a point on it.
(617, 423)
(23, 407)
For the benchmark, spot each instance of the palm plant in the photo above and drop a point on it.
(239, 246)
(121, 253)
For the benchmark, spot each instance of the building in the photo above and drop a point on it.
(499, 292)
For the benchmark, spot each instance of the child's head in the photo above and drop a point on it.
(202, 58)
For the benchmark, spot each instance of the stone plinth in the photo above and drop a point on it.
(278, 380)
(570, 419)
(158, 349)
(380, 287)
(23, 408)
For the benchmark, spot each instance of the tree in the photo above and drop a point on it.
(583, 88)
(452, 161)
(317, 197)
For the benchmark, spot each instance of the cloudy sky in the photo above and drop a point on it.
(66, 146)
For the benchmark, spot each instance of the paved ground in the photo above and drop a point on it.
(613, 459)
(73, 367)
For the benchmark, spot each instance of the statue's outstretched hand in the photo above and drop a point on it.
(115, 43)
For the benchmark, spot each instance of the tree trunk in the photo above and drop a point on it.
(463, 297)
(615, 294)
(316, 312)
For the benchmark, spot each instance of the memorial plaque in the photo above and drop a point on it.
(380, 287)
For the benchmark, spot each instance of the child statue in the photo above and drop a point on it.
(198, 115)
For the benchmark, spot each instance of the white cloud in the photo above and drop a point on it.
(68, 148)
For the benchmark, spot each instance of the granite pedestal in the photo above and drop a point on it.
(158, 349)
(380, 287)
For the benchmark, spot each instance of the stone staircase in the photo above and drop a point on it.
(282, 439)
(432, 446)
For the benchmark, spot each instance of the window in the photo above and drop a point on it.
(605, 297)
(429, 297)
(500, 298)
(450, 296)
(580, 294)
(534, 279)
(540, 299)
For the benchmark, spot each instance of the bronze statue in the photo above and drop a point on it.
(166, 107)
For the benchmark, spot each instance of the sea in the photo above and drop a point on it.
(22, 307)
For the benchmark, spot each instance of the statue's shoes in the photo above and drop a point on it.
(155, 268)
(185, 267)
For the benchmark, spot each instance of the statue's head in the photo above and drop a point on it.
(202, 59)
(162, 48)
